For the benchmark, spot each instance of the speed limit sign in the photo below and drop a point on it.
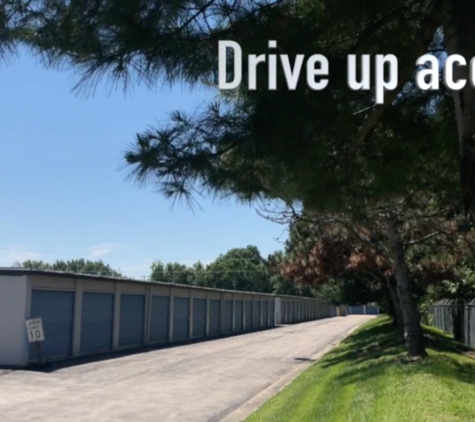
(34, 328)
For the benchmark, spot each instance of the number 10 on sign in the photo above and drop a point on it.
(35, 331)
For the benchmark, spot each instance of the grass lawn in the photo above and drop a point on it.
(367, 379)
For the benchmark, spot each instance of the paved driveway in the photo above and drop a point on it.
(209, 381)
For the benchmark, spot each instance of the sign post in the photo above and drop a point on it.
(34, 328)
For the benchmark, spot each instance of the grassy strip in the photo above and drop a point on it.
(368, 379)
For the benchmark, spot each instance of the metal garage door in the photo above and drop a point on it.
(214, 317)
(57, 311)
(97, 322)
(238, 310)
(159, 319)
(356, 310)
(228, 316)
(248, 312)
(256, 315)
(181, 318)
(265, 314)
(272, 314)
(131, 331)
(199, 318)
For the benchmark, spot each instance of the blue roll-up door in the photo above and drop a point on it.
(159, 319)
(97, 322)
(238, 307)
(356, 310)
(228, 316)
(248, 312)
(272, 313)
(372, 310)
(181, 318)
(265, 314)
(214, 317)
(132, 312)
(256, 315)
(56, 309)
(199, 318)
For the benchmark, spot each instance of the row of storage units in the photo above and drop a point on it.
(87, 315)
(363, 310)
(295, 310)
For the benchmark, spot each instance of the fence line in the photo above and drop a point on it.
(445, 315)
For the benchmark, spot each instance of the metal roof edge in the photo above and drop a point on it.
(18, 271)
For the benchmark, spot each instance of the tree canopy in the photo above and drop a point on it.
(331, 151)
(79, 266)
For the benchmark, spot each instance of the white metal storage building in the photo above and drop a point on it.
(85, 314)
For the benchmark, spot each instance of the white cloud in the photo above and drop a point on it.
(102, 250)
(13, 254)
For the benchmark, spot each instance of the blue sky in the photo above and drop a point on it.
(64, 190)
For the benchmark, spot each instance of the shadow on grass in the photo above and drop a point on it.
(373, 351)
(367, 344)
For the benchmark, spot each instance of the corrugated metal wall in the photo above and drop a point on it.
(97, 322)
(56, 308)
(152, 317)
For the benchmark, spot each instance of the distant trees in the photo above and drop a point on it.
(238, 269)
(174, 272)
(79, 266)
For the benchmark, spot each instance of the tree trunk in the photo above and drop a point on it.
(459, 31)
(413, 334)
(394, 303)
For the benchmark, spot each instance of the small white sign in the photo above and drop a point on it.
(35, 331)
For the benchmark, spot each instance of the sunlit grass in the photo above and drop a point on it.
(368, 379)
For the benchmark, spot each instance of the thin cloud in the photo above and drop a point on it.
(13, 254)
(104, 249)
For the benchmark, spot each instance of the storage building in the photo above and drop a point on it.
(86, 314)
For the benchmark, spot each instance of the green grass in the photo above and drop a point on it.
(368, 379)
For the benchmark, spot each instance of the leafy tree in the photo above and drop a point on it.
(282, 285)
(79, 266)
(322, 149)
(379, 246)
(171, 273)
(240, 269)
